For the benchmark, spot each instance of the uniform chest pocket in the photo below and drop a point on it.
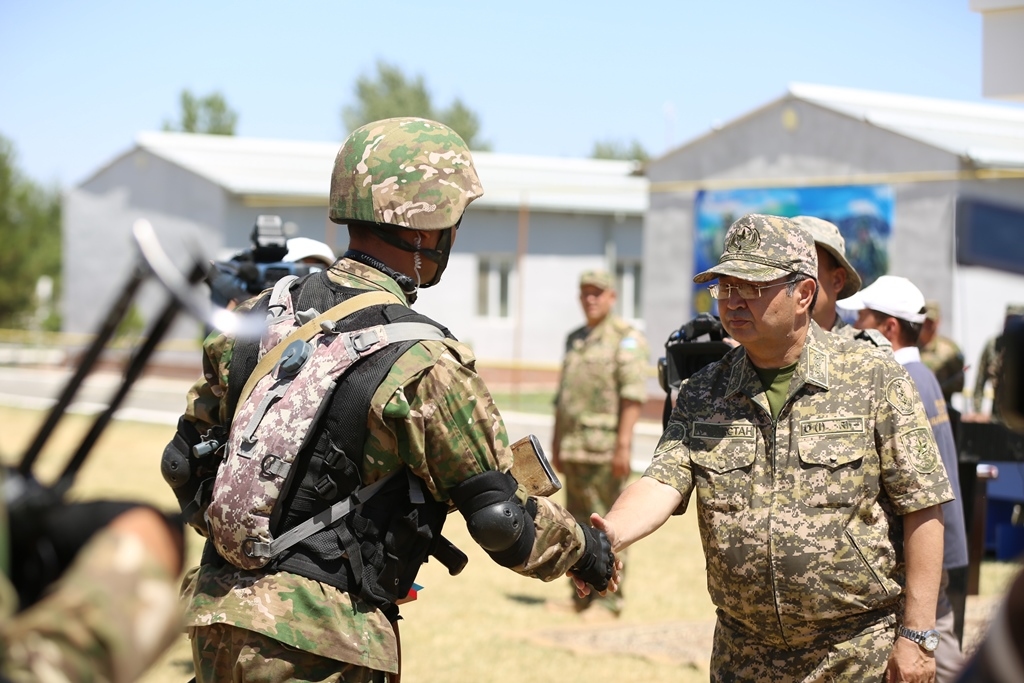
(834, 454)
(722, 469)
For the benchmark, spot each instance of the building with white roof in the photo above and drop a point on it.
(925, 188)
(510, 290)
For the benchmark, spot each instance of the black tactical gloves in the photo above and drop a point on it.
(597, 565)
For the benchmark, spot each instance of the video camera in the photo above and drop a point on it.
(688, 349)
(250, 272)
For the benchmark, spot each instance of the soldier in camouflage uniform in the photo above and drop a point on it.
(402, 186)
(837, 279)
(990, 366)
(111, 614)
(600, 393)
(818, 483)
(941, 354)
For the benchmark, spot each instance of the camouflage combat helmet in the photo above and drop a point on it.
(407, 172)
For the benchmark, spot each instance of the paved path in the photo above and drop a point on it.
(161, 400)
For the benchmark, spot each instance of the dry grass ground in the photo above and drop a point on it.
(488, 624)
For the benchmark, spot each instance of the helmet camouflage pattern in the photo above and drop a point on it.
(410, 172)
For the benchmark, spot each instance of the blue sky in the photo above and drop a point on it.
(80, 79)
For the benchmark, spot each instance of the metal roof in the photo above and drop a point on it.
(282, 171)
(986, 134)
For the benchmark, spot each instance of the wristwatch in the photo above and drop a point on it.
(928, 640)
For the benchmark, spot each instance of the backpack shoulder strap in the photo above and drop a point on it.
(308, 331)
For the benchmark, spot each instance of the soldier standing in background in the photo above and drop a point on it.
(600, 394)
(941, 354)
(990, 366)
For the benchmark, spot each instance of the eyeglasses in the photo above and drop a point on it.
(746, 290)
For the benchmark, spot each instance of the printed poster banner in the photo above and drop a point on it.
(862, 212)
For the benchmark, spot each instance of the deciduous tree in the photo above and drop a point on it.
(210, 115)
(30, 244)
(390, 93)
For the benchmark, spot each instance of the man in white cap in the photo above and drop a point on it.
(309, 251)
(837, 279)
(896, 307)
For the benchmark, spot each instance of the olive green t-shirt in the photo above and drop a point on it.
(776, 385)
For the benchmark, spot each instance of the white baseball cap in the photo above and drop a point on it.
(889, 294)
(303, 247)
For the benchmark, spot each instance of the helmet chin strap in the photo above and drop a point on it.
(439, 255)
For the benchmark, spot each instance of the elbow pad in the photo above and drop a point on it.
(496, 519)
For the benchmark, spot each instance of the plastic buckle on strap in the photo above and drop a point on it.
(273, 466)
(254, 548)
(364, 340)
(326, 488)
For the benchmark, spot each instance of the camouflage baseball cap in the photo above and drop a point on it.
(932, 310)
(1014, 309)
(409, 172)
(827, 236)
(761, 248)
(601, 279)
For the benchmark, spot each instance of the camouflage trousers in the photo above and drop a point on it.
(223, 653)
(591, 487)
(736, 658)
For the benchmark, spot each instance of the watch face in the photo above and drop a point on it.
(931, 641)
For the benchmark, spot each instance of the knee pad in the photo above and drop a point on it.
(496, 519)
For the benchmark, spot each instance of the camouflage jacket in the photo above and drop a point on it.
(800, 518)
(989, 366)
(110, 616)
(944, 358)
(850, 332)
(433, 414)
(602, 366)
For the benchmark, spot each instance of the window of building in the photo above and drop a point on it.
(494, 286)
(990, 235)
(628, 276)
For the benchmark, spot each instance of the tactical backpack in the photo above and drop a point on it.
(302, 357)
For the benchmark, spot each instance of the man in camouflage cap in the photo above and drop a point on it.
(600, 393)
(990, 367)
(327, 609)
(941, 354)
(818, 483)
(837, 279)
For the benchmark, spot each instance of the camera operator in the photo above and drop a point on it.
(270, 257)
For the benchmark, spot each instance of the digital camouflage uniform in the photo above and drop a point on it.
(944, 358)
(113, 612)
(433, 414)
(851, 333)
(602, 367)
(800, 519)
(989, 367)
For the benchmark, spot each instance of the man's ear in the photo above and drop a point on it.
(839, 279)
(805, 293)
(891, 328)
